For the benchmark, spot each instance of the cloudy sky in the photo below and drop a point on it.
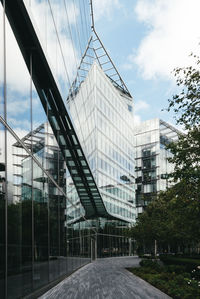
(147, 39)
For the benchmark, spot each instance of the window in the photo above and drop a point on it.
(130, 108)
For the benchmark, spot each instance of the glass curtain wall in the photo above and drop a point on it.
(108, 236)
(152, 166)
(104, 125)
(34, 250)
(103, 118)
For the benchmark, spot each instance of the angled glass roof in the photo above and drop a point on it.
(95, 51)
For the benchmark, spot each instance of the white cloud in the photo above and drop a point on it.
(16, 71)
(127, 66)
(18, 78)
(105, 8)
(141, 106)
(172, 34)
(137, 120)
(43, 19)
(15, 123)
(17, 105)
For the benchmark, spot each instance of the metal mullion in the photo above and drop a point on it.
(102, 55)
(113, 76)
(105, 63)
(32, 189)
(84, 70)
(86, 63)
(6, 158)
(98, 48)
(48, 207)
(89, 55)
(109, 69)
(58, 199)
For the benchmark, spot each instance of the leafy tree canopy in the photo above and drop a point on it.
(186, 106)
(173, 217)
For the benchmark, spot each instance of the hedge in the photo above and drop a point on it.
(173, 260)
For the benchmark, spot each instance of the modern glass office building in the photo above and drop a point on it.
(67, 178)
(103, 118)
(152, 165)
(53, 221)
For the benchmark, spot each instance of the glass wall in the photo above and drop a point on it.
(106, 237)
(152, 165)
(104, 125)
(41, 239)
(33, 233)
(37, 245)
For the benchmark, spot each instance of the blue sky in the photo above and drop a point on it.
(147, 39)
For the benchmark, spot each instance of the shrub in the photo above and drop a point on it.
(146, 256)
(171, 279)
(188, 263)
(195, 273)
(150, 264)
(178, 269)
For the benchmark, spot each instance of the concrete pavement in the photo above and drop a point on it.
(105, 279)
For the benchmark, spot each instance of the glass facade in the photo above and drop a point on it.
(54, 178)
(48, 189)
(152, 166)
(34, 236)
(103, 122)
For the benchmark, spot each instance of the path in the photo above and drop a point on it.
(105, 279)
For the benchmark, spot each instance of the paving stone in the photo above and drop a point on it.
(105, 279)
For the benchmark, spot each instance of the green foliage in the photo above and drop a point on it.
(150, 264)
(188, 263)
(186, 105)
(171, 219)
(178, 269)
(143, 256)
(172, 280)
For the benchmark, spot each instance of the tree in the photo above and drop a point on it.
(173, 217)
(186, 105)
(152, 225)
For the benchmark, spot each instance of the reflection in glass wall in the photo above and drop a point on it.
(37, 245)
(2, 210)
(64, 28)
(34, 250)
(152, 165)
(105, 238)
(43, 231)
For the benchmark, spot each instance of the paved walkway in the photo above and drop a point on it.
(105, 279)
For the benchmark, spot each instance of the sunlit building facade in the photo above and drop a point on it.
(152, 165)
(102, 114)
